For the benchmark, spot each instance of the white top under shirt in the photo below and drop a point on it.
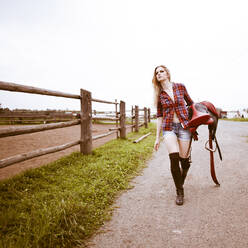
(170, 93)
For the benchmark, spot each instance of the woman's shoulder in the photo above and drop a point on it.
(179, 85)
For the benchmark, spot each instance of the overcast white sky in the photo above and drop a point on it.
(110, 47)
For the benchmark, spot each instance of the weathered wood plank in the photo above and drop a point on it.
(136, 111)
(141, 138)
(103, 135)
(149, 115)
(102, 101)
(145, 117)
(132, 117)
(86, 122)
(114, 128)
(117, 117)
(123, 120)
(13, 131)
(25, 156)
(34, 90)
(105, 118)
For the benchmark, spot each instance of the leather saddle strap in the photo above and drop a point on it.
(219, 151)
(188, 151)
(212, 160)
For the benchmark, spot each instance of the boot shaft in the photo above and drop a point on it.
(175, 170)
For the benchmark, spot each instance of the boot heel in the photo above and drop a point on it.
(180, 196)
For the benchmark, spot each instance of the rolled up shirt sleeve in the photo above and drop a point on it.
(187, 98)
(159, 109)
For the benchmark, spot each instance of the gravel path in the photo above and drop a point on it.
(147, 217)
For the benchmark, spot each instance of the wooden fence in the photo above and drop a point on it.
(84, 118)
(8, 117)
(136, 120)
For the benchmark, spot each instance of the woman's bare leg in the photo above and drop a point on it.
(184, 148)
(171, 143)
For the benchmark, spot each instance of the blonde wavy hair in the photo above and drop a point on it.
(157, 85)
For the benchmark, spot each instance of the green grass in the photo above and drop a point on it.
(236, 119)
(63, 203)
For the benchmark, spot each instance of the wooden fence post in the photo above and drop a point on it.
(145, 117)
(149, 115)
(136, 118)
(122, 120)
(116, 116)
(86, 122)
(132, 117)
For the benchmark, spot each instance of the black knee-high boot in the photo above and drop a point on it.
(177, 177)
(185, 167)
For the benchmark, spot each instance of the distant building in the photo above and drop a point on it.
(223, 114)
(233, 114)
(243, 114)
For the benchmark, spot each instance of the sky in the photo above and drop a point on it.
(111, 47)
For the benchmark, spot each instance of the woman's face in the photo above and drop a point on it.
(161, 74)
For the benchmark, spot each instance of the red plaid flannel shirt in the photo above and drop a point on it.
(166, 106)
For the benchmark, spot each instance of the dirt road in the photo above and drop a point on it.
(147, 217)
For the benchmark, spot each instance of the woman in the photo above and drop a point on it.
(172, 117)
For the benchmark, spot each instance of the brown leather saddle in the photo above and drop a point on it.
(204, 113)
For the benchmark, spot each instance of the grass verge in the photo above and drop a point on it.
(63, 203)
(236, 119)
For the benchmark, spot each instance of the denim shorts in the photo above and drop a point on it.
(179, 131)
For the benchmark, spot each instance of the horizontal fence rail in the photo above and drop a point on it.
(36, 153)
(35, 117)
(12, 131)
(102, 101)
(105, 118)
(34, 90)
(84, 119)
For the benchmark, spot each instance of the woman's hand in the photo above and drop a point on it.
(156, 145)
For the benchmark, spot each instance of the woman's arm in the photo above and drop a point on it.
(187, 98)
(159, 127)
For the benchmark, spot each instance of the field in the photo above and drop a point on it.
(63, 203)
(14, 145)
